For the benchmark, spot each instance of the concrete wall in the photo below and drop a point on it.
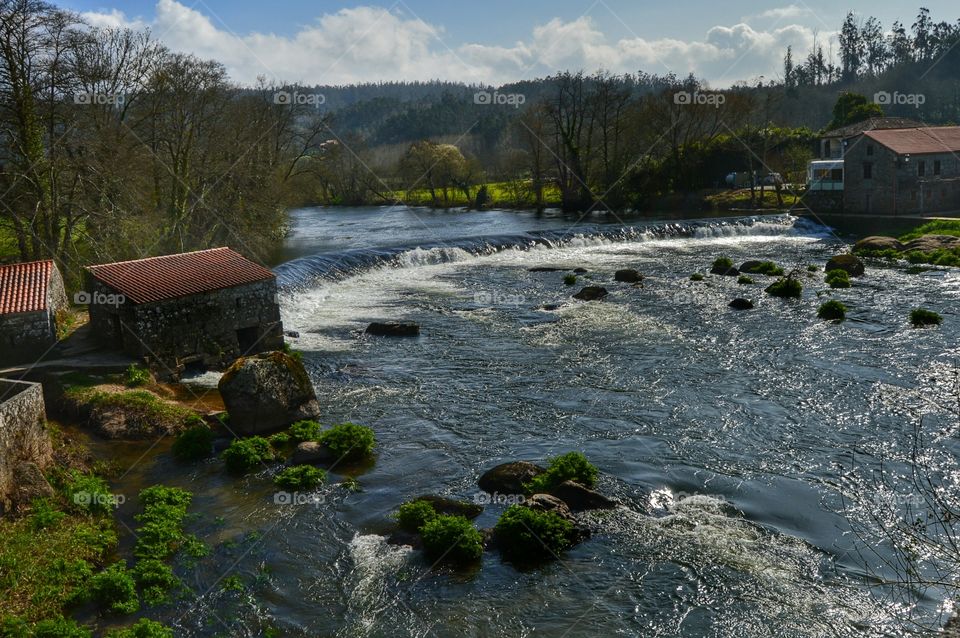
(895, 185)
(200, 328)
(23, 433)
(26, 336)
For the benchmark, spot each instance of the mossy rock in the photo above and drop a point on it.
(267, 392)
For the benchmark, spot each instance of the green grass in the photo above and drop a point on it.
(349, 441)
(786, 287)
(143, 409)
(245, 455)
(194, 444)
(300, 477)
(832, 310)
(452, 539)
(413, 515)
(572, 466)
(500, 194)
(935, 227)
(921, 317)
(766, 268)
(837, 279)
(570, 280)
(744, 280)
(526, 535)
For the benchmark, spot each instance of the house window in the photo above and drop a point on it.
(869, 149)
(867, 170)
(921, 168)
(826, 149)
(936, 167)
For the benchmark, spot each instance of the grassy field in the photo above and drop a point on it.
(500, 195)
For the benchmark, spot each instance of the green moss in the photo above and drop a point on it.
(722, 263)
(194, 444)
(920, 317)
(572, 466)
(936, 227)
(696, 277)
(140, 407)
(305, 431)
(300, 477)
(156, 580)
(744, 280)
(837, 278)
(413, 515)
(832, 310)
(115, 590)
(349, 441)
(232, 583)
(279, 440)
(786, 287)
(452, 539)
(161, 533)
(768, 268)
(527, 535)
(244, 455)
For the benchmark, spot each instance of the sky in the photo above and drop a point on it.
(493, 41)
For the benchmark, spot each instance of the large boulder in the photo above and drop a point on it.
(393, 329)
(509, 478)
(851, 264)
(878, 242)
(549, 503)
(267, 392)
(728, 271)
(930, 243)
(591, 293)
(628, 275)
(741, 304)
(579, 498)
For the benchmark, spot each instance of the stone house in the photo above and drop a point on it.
(192, 310)
(907, 171)
(32, 304)
(832, 141)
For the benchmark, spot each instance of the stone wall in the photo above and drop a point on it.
(206, 328)
(895, 185)
(23, 434)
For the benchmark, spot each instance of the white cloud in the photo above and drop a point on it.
(790, 11)
(372, 43)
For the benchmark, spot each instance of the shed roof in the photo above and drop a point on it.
(23, 287)
(180, 275)
(872, 124)
(918, 141)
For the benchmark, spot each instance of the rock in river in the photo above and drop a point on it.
(877, 242)
(741, 304)
(393, 329)
(266, 392)
(628, 275)
(509, 478)
(579, 498)
(591, 293)
(851, 264)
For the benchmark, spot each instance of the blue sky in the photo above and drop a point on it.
(492, 41)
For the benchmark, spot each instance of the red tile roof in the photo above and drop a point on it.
(172, 276)
(917, 141)
(23, 287)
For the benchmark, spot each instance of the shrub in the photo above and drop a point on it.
(838, 279)
(305, 431)
(452, 538)
(115, 590)
(135, 376)
(572, 466)
(44, 515)
(722, 263)
(786, 287)
(155, 579)
(89, 493)
(528, 535)
(244, 455)
(232, 583)
(832, 311)
(696, 277)
(143, 628)
(570, 280)
(194, 444)
(59, 628)
(300, 477)
(922, 317)
(348, 441)
(414, 515)
(743, 279)
(812, 268)
(765, 268)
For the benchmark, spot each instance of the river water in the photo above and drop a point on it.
(733, 439)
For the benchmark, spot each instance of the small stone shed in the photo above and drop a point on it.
(32, 302)
(201, 309)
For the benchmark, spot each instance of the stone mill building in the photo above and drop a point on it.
(192, 310)
(32, 302)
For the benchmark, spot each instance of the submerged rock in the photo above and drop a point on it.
(509, 478)
(549, 503)
(393, 329)
(266, 392)
(850, 264)
(546, 269)
(579, 498)
(311, 453)
(591, 293)
(579, 271)
(628, 275)
(728, 271)
(741, 304)
(451, 506)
